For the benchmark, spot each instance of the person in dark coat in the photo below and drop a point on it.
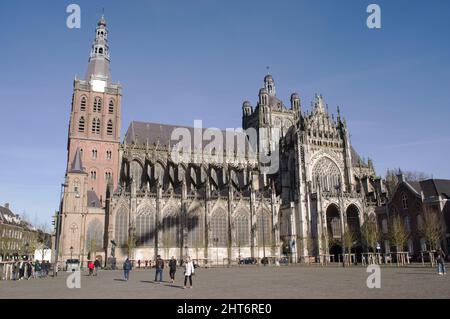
(172, 268)
(126, 269)
(15, 272)
(29, 270)
(97, 266)
(159, 266)
(21, 270)
(440, 258)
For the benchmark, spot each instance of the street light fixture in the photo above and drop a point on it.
(71, 252)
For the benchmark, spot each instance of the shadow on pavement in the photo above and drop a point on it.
(174, 286)
(119, 280)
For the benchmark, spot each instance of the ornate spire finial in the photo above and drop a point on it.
(98, 68)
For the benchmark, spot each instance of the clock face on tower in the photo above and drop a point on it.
(98, 86)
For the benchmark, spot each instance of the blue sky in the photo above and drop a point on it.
(185, 60)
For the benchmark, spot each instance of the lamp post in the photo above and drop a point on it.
(216, 242)
(263, 238)
(71, 252)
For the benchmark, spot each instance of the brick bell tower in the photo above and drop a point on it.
(95, 118)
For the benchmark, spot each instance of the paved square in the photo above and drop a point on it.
(242, 282)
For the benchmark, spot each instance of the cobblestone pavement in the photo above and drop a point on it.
(242, 282)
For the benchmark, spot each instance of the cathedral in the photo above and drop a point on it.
(133, 198)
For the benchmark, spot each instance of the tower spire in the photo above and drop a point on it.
(98, 69)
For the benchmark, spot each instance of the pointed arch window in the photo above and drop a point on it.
(145, 226)
(219, 228)
(111, 107)
(96, 126)
(94, 236)
(170, 229)
(107, 176)
(108, 155)
(195, 237)
(121, 231)
(83, 103)
(94, 154)
(97, 104)
(109, 128)
(93, 175)
(264, 229)
(404, 201)
(242, 230)
(81, 123)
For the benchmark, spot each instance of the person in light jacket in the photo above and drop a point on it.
(188, 271)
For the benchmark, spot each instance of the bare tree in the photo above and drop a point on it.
(131, 244)
(398, 235)
(431, 229)
(93, 247)
(349, 243)
(370, 233)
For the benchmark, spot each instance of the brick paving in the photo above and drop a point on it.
(242, 282)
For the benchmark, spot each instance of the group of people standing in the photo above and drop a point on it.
(26, 270)
(94, 267)
(188, 265)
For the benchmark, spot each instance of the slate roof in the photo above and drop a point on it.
(155, 133)
(356, 159)
(92, 199)
(77, 165)
(436, 187)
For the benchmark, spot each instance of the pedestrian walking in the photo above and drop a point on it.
(139, 263)
(172, 268)
(188, 272)
(146, 264)
(159, 266)
(21, 270)
(37, 269)
(15, 272)
(126, 269)
(97, 266)
(440, 259)
(91, 268)
(29, 270)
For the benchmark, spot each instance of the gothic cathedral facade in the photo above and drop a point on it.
(132, 199)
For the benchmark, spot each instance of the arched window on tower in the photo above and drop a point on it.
(94, 154)
(93, 175)
(100, 50)
(83, 103)
(111, 107)
(109, 128)
(96, 126)
(108, 155)
(97, 104)
(81, 124)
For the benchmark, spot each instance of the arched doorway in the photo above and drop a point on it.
(353, 225)
(334, 231)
